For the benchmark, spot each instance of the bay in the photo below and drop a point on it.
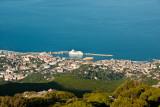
(128, 29)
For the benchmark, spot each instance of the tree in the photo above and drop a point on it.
(134, 92)
(129, 102)
(79, 104)
(152, 96)
(127, 85)
(98, 99)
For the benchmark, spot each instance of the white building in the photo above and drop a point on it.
(2, 55)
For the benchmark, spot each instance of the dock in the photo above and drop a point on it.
(96, 54)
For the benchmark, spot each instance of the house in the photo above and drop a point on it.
(23, 68)
(60, 70)
(26, 58)
(9, 71)
(46, 66)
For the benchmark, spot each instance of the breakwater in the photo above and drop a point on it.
(96, 54)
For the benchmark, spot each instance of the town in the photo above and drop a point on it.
(16, 65)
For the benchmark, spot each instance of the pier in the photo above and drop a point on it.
(96, 54)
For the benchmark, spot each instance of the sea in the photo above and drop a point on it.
(127, 29)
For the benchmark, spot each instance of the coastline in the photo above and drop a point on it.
(64, 54)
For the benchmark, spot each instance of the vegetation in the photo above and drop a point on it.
(98, 99)
(130, 94)
(2, 81)
(90, 72)
(33, 78)
(3, 59)
(129, 86)
(136, 94)
(78, 86)
(150, 81)
(86, 84)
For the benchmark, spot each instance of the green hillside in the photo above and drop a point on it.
(33, 78)
(80, 84)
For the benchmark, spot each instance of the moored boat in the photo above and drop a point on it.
(88, 58)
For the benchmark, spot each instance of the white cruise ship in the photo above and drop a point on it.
(78, 53)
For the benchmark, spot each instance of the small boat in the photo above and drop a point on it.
(88, 58)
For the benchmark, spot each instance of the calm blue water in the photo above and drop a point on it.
(128, 29)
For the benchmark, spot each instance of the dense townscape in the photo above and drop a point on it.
(16, 66)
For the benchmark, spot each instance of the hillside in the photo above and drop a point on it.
(130, 94)
(62, 82)
(78, 86)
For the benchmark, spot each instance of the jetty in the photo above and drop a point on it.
(96, 54)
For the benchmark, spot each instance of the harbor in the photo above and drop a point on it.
(68, 54)
(73, 52)
(60, 52)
